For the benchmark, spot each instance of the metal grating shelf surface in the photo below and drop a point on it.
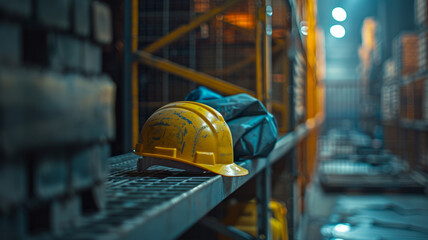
(163, 202)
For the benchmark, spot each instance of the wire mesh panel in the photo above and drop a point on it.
(132, 196)
(222, 46)
(225, 42)
(343, 104)
(157, 19)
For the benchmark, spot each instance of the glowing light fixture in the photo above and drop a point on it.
(342, 227)
(338, 31)
(339, 14)
(304, 28)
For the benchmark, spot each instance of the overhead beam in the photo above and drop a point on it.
(190, 74)
(250, 32)
(184, 29)
(243, 63)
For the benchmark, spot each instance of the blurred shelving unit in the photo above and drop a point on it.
(404, 94)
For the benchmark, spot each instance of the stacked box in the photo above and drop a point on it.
(422, 153)
(421, 88)
(390, 101)
(405, 53)
(410, 107)
(419, 95)
(403, 101)
(389, 71)
(57, 114)
(422, 51)
(424, 150)
(385, 104)
(421, 13)
(389, 92)
(395, 100)
(425, 102)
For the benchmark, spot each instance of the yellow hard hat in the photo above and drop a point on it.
(191, 133)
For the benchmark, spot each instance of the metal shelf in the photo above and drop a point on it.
(393, 122)
(421, 125)
(163, 202)
(414, 124)
(406, 80)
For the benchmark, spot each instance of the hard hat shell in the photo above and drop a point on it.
(191, 133)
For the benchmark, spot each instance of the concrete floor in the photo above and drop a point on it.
(363, 216)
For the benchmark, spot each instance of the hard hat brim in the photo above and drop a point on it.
(227, 170)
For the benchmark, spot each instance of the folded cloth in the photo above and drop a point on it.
(202, 93)
(254, 130)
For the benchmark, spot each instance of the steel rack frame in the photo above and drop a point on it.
(161, 203)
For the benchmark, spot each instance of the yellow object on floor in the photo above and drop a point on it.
(243, 216)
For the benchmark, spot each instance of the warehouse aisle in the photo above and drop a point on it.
(364, 216)
(371, 178)
(363, 192)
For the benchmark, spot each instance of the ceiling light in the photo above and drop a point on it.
(338, 31)
(339, 14)
(304, 28)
